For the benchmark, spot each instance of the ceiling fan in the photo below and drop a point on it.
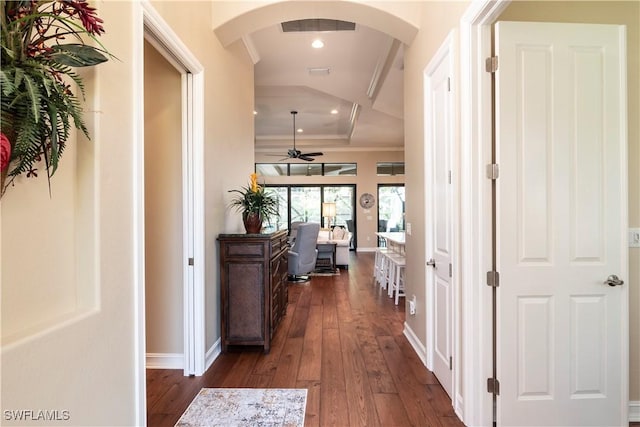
(293, 153)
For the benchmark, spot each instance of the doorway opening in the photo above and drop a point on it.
(152, 29)
(158, 34)
(163, 212)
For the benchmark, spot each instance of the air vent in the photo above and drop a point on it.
(319, 71)
(317, 25)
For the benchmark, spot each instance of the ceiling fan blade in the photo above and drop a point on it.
(312, 154)
(304, 157)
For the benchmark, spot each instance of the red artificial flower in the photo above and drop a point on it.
(5, 152)
(86, 13)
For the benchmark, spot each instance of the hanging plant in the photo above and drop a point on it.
(42, 42)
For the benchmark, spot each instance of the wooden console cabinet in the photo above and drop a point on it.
(253, 287)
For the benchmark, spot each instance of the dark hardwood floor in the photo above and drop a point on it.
(342, 341)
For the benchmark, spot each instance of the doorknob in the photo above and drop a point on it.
(613, 280)
(432, 263)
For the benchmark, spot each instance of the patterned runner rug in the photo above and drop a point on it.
(240, 407)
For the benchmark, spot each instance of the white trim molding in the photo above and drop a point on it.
(165, 361)
(213, 353)
(417, 346)
(475, 207)
(366, 249)
(634, 411)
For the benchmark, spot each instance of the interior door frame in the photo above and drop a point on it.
(149, 25)
(475, 208)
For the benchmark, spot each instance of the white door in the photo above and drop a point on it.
(439, 124)
(561, 148)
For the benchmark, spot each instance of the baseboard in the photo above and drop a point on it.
(458, 406)
(366, 249)
(212, 354)
(634, 411)
(420, 349)
(165, 361)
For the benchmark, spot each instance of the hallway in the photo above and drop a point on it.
(342, 340)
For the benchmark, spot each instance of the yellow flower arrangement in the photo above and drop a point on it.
(255, 199)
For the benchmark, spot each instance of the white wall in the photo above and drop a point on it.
(86, 364)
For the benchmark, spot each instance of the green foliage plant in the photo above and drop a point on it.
(42, 41)
(254, 198)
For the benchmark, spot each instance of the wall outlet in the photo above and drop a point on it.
(412, 306)
(634, 237)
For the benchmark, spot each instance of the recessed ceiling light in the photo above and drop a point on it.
(300, 130)
(317, 44)
(255, 112)
(334, 111)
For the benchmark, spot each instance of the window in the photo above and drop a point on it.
(344, 197)
(272, 169)
(304, 203)
(306, 169)
(282, 221)
(390, 208)
(390, 168)
(340, 169)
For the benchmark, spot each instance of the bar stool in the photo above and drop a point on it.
(379, 264)
(385, 270)
(396, 273)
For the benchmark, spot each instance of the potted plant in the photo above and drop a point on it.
(42, 41)
(256, 205)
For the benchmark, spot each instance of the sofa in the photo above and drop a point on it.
(342, 238)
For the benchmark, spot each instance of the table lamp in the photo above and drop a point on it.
(329, 211)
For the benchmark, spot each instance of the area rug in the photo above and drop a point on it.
(325, 273)
(240, 407)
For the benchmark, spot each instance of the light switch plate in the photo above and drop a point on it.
(634, 237)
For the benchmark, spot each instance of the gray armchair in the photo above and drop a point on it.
(302, 256)
(293, 231)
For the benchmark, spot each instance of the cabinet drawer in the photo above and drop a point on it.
(276, 245)
(245, 249)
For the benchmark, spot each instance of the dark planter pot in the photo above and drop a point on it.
(252, 222)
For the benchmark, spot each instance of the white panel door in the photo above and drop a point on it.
(438, 152)
(561, 148)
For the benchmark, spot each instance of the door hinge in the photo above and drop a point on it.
(493, 386)
(491, 64)
(451, 363)
(493, 279)
(448, 84)
(493, 171)
(450, 270)
(449, 177)
(190, 261)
